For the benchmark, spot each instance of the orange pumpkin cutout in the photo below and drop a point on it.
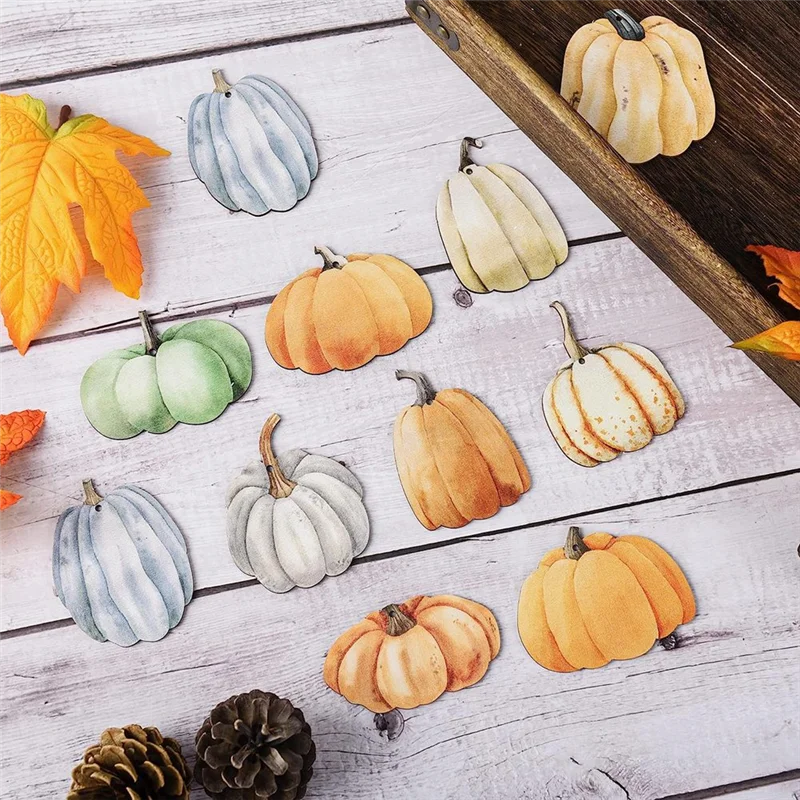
(405, 656)
(343, 314)
(600, 599)
(455, 459)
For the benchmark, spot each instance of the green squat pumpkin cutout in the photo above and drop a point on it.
(190, 373)
(251, 145)
(608, 401)
(498, 230)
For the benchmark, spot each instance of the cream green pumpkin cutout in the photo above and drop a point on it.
(190, 373)
(295, 518)
(608, 401)
(498, 230)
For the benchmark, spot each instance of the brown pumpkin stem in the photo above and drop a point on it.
(426, 394)
(332, 261)
(148, 332)
(574, 348)
(90, 495)
(625, 25)
(220, 84)
(279, 485)
(397, 621)
(466, 143)
(574, 547)
(63, 115)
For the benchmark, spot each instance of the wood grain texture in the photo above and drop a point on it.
(719, 709)
(385, 145)
(103, 34)
(503, 348)
(512, 75)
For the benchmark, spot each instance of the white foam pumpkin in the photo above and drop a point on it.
(294, 519)
(608, 401)
(120, 566)
(251, 145)
(498, 230)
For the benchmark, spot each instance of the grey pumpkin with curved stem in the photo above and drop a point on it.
(296, 518)
(608, 401)
(251, 145)
(120, 566)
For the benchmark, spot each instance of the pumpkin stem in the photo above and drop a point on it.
(332, 261)
(63, 115)
(220, 84)
(575, 350)
(426, 394)
(397, 621)
(150, 338)
(279, 485)
(90, 495)
(466, 143)
(625, 25)
(574, 547)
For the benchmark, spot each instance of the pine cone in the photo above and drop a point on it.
(131, 763)
(255, 746)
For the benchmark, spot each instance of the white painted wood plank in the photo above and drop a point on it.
(719, 709)
(386, 144)
(55, 37)
(786, 790)
(504, 348)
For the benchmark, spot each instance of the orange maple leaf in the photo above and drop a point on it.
(783, 340)
(42, 171)
(783, 265)
(16, 430)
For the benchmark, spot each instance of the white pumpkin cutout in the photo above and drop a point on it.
(120, 566)
(498, 230)
(251, 145)
(293, 520)
(608, 401)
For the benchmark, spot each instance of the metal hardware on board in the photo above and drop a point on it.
(428, 18)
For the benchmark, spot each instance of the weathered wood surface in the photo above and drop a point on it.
(98, 34)
(385, 144)
(504, 348)
(721, 708)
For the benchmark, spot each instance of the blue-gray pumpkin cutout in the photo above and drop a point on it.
(120, 566)
(251, 145)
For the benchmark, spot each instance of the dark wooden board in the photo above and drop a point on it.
(693, 214)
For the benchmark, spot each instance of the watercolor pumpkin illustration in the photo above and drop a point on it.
(296, 518)
(498, 230)
(190, 373)
(608, 401)
(343, 314)
(407, 655)
(455, 460)
(601, 598)
(642, 86)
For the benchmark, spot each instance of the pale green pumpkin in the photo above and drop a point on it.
(191, 373)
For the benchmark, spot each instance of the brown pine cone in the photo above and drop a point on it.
(131, 763)
(255, 746)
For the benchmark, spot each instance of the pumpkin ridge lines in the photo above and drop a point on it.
(587, 423)
(654, 373)
(563, 427)
(630, 391)
(405, 473)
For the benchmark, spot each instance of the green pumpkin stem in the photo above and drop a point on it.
(574, 547)
(574, 348)
(151, 341)
(466, 143)
(397, 621)
(279, 485)
(625, 25)
(426, 394)
(221, 86)
(332, 261)
(90, 495)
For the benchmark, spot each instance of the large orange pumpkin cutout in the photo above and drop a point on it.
(343, 314)
(455, 459)
(599, 599)
(407, 655)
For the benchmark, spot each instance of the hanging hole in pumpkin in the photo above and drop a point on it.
(98, 507)
(581, 360)
(390, 723)
(227, 94)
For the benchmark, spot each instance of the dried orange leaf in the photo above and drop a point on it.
(17, 429)
(42, 171)
(783, 340)
(8, 499)
(783, 265)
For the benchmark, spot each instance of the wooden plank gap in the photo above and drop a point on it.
(730, 788)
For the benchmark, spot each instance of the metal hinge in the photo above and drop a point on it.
(426, 16)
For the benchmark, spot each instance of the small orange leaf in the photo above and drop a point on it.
(17, 429)
(783, 340)
(8, 499)
(783, 265)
